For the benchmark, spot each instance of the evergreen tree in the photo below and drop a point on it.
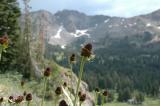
(9, 24)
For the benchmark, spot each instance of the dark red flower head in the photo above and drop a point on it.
(88, 46)
(1, 41)
(105, 93)
(47, 72)
(82, 98)
(65, 84)
(10, 100)
(11, 97)
(63, 103)
(86, 50)
(19, 99)
(58, 91)
(97, 89)
(79, 93)
(72, 58)
(1, 99)
(4, 39)
(29, 97)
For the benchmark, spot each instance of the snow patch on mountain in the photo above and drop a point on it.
(57, 36)
(158, 27)
(148, 25)
(63, 46)
(106, 21)
(80, 33)
(155, 39)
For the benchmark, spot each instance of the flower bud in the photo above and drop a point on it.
(82, 98)
(19, 99)
(79, 93)
(10, 100)
(73, 58)
(58, 91)
(97, 90)
(105, 93)
(65, 84)
(29, 97)
(1, 99)
(86, 50)
(63, 103)
(47, 72)
(4, 40)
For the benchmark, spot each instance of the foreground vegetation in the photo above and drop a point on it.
(10, 84)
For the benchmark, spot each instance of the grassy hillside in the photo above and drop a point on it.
(11, 86)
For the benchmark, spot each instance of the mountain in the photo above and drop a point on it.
(126, 49)
(67, 26)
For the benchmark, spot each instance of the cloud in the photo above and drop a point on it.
(124, 8)
(128, 8)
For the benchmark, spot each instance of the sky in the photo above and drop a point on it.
(121, 8)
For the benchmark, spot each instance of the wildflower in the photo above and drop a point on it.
(1, 41)
(85, 53)
(1, 99)
(86, 50)
(4, 40)
(29, 97)
(10, 100)
(97, 92)
(105, 93)
(63, 103)
(79, 93)
(19, 99)
(82, 98)
(11, 97)
(97, 89)
(24, 93)
(72, 59)
(65, 84)
(58, 91)
(47, 72)
(22, 83)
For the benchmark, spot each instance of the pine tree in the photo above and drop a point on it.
(9, 24)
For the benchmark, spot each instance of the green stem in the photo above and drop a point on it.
(56, 100)
(28, 103)
(79, 79)
(71, 78)
(80, 104)
(102, 100)
(45, 83)
(96, 97)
